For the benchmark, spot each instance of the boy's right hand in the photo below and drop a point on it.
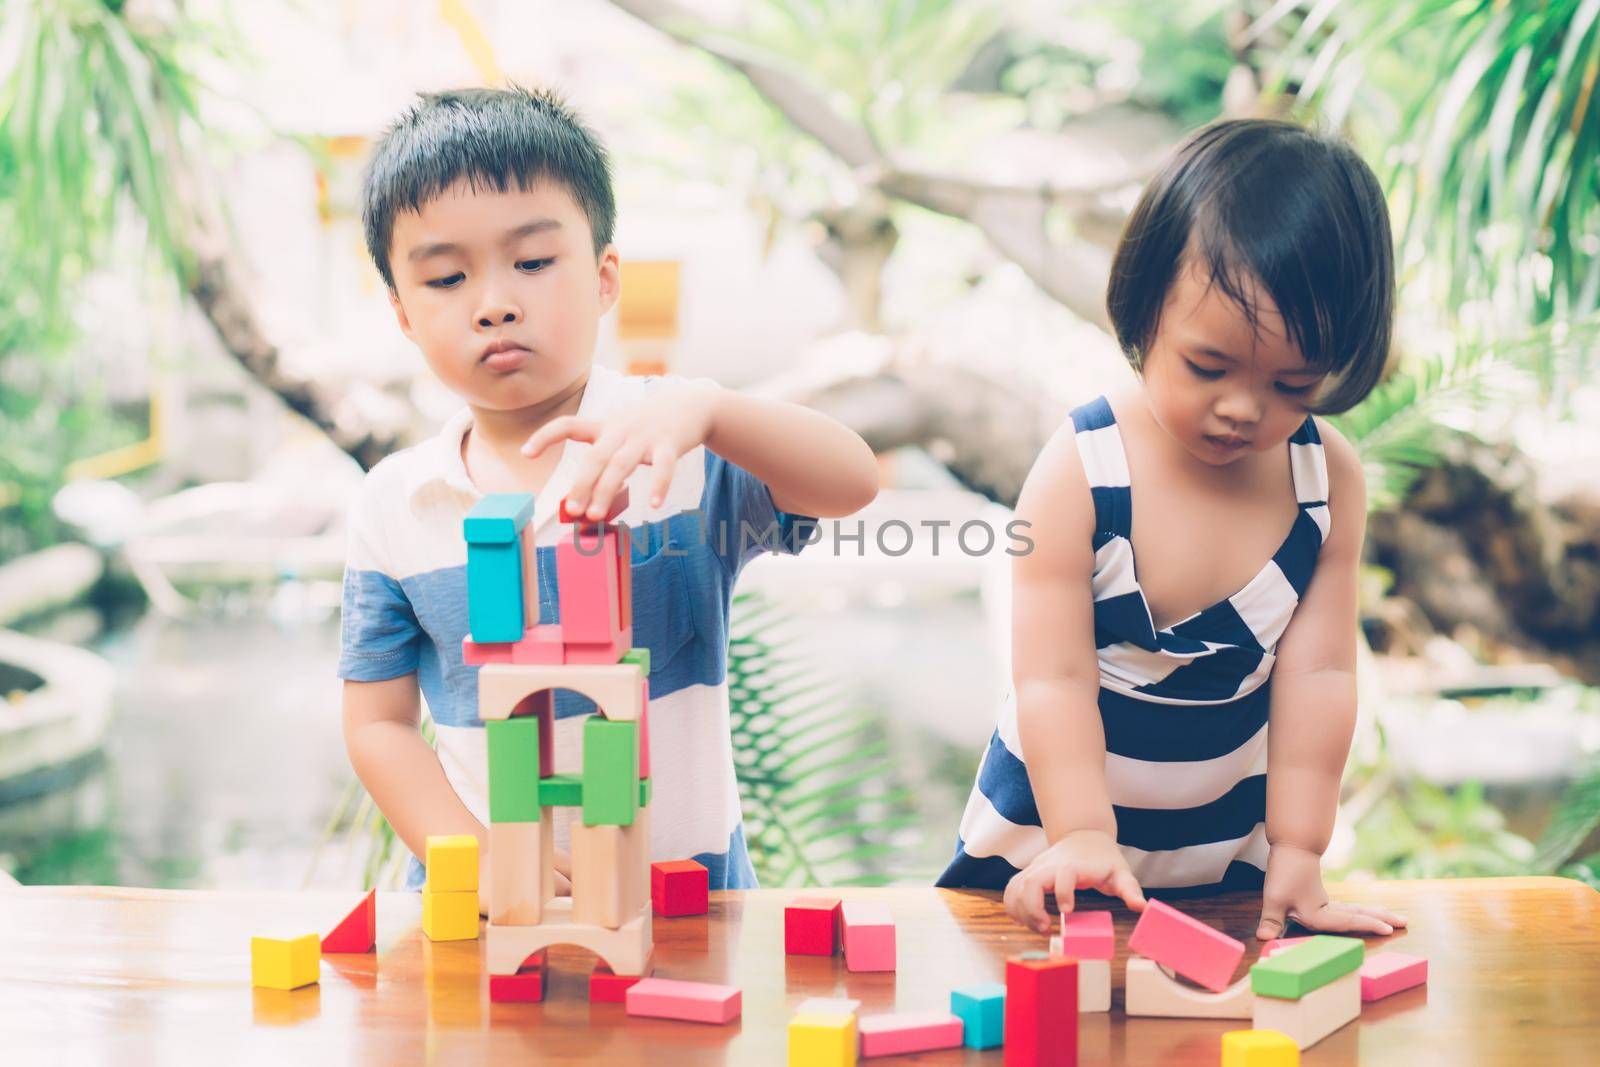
(1084, 859)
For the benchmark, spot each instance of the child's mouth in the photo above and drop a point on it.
(504, 357)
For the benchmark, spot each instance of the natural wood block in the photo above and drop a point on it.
(1315, 1015)
(610, 871)
(521, 871)
(614, 687)
(626, 950)
(1148, 991)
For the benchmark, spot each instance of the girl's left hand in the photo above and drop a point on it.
(1294, 890)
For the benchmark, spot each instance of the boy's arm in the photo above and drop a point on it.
(1313, 716)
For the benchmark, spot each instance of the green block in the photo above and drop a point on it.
(638, 655)
(1294, 972)
(561, 791)
(513, 769)
(610, 772)
(644, 792)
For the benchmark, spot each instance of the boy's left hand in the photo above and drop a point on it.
(657, 431)
(1293, 890)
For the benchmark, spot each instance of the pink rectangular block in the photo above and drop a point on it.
(644, 728)
(1273, 947)
(1384, 974)
(1199, 952)
(600, 652)
(868, 936)
(695, 1002)
(908, 1031)
(1088, 935)
(586, 572)
(539, 644)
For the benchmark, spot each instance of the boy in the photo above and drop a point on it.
(489, 214)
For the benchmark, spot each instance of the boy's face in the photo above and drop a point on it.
(502, 291)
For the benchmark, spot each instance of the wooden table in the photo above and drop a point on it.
(132, 976)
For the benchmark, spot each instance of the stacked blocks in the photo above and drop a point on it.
(1041, 1011)
(1088, 937)
(1258, 1048)
(450, 894)
(1388, 973)
(358, 931)
(679, 887)
(496, 593)
(868, 936)
(1309, 991)
(982, 1011)
(822, 1040)
(810, 926)
(285, 963)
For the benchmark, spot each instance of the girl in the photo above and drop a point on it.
(1181, 723)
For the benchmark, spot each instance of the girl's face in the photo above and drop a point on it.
(1221, 389)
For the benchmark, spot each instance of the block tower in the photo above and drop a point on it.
(521, 663)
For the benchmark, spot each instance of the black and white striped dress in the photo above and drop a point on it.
(1184, 708)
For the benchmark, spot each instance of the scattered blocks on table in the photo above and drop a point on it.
(810, 926)
(285, 962)
(1277, 945)
(1296, 971)
(1085, 935)
(495, 582)
(822, 1041)
(526, 986)
(1148, 991)
(696, 1002)
(514, 761)
(982, 1011)
(450, 916)
(1259, 1048)
(908, 1031)
(608, 987)
(868, 935)
(357, 931)
(680, 887)
(1200, 953)
(1041, 1012)
(610, 772)
(452, 862)
(1313, 1016)
(1384, 974)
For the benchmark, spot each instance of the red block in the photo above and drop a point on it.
(358, 931)
(526, 986)
(1199, 952)
(679, 887)
(811, 926)
(607, 987)
(1042, 1012)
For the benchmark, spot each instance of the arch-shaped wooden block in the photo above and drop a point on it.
(615, 688)
(1148, 991)
(626, 950)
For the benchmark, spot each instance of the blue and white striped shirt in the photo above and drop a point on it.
(405, 610)
(1184, 708)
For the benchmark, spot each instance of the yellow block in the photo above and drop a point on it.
(450, 916)
(822, 1041)
(285, 962)
(1259, 1048)
(452, 863)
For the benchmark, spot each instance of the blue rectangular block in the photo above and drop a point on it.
(494, 592)
(982, 1010)
(498, 518)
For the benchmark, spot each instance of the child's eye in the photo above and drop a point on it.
(1296, 390)
(447, 283)
(1203, 374)
(533, 266)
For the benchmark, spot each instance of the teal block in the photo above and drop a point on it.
(638, 655)
(561, 791)
(494, 592)
(498, 518)
(513, 769)
(610, 772)
(1294, 972)
(982, 1011)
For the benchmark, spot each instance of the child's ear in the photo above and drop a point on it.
(400, 314)
(610, 278)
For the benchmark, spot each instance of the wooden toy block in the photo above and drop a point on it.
(1041, 1015)
(515, 789)
(695, 1002)
(561, 791)
(609, 651)
(810, 926)
(619, 504)
(908, 1031)
(1085, 935)
(640, 657)
(822, 1040)
(1094, 986)
(1296, 971)
(1386, 973)
(1277, 945)
(680, 887)
(626, 950)
(586, 573)
(610, 875)
(524, 987)
(452, 863)
(285, 962)
(1148, 991)
(1315, 1015)
(522, 871)
(538, 644)
(496, 604)
(982, 1011)
(610, 772)
(504, 687)
(625, 581)
(498, 518)
(451, 916)
(644, 727)
(1258, 1048)
(868, 935)
(357, 931)
(828, 1006)
(1200, 953)
(607, 987)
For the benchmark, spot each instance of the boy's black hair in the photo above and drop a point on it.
(1296, 211)
(493, 138)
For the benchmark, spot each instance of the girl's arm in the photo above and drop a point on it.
(1313, 716)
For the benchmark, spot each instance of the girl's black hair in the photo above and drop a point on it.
(1297, 212)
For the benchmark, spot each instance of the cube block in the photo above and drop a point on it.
(697, 1002)
(452, 863)
(514, 758)
(680, 887)
(285, 962)
(1259, 1048)
(610, 772)
(1386, 973)
(982, 1011)
(909, 1031)
(810, 926)
(868, 936)
(1199, 952)
(1041, 1015)
(608, 987)
(822, 1041)
(1296, 971)
(450, 916)
(1086, 935)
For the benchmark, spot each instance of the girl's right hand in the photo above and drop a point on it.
(1084, 859)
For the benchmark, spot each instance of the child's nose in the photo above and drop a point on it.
(502, 316)
(1240, 407)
